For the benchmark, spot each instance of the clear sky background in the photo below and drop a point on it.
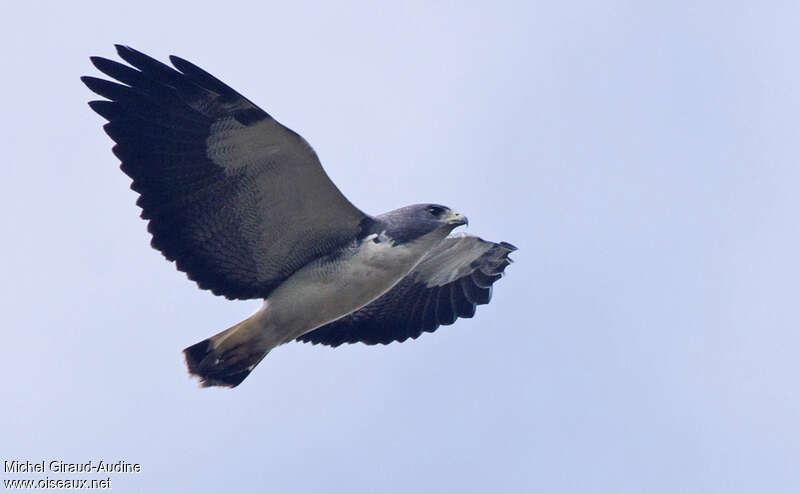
(643, 156)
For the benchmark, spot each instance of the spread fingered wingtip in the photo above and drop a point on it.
(508, 246)
(122, 48)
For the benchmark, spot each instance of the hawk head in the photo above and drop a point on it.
(409, 223)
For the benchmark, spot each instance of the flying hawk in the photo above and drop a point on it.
(242, 205)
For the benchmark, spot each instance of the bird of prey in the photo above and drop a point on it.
(242, 205)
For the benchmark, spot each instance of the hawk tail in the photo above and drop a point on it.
(228, 357)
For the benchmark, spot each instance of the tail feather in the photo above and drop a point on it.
(227, 358)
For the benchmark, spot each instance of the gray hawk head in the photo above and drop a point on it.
(409, 223)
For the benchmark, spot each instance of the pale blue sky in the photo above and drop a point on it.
(642, 156)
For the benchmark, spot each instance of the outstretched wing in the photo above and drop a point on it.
(238, 200)
(447, 284)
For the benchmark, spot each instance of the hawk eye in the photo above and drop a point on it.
(435, 210)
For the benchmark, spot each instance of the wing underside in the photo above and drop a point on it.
(236, 199)
(448, 284)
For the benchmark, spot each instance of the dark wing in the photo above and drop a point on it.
(449, 283)
(238, 200)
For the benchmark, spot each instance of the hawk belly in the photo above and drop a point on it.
(336, 285)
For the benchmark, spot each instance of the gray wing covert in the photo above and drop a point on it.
(447, 284)
(238, 200)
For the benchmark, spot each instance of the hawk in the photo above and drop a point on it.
(242, 205)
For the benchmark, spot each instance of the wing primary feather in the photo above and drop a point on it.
(445, 312)
(189, 91)
(107, 89)
(148, 64)
(473, 292)
(150, 142)
(429, 320)
(201, 77)
(484, 280)
(463, 307)
(417, 312)
(120, 72)
(133, 127)
(106, 109)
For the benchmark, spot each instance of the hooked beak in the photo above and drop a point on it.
(457, 219)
